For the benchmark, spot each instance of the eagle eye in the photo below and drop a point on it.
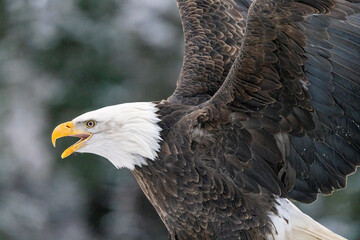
(90, 123)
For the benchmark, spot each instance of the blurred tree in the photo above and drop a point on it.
(3, 19)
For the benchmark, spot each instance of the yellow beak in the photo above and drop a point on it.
(67, 129)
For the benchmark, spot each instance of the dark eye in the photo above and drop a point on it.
(90, 123)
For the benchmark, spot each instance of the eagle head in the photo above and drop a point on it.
(126, 134)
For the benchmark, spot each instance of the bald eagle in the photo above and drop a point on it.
(266, 110)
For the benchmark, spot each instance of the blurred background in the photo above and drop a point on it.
(59, 59)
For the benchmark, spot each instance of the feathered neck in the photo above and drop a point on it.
(132, 134)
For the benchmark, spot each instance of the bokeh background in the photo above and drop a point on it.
(59, 59)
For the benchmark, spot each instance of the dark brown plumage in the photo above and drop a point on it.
(266, 108)
(276, 105)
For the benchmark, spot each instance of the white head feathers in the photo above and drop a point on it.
(125, 134)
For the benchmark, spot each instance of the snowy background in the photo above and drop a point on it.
(59, 59)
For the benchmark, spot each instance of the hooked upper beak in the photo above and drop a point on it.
(67, 129)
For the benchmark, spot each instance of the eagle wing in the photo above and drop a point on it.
(295, 86)
(213, 31)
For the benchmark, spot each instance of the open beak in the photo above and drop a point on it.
(67, 130)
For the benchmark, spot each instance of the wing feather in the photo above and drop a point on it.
(213, 31)
(298, 68)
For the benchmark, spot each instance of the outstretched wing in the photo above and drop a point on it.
(296, 81)
(213, 31)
